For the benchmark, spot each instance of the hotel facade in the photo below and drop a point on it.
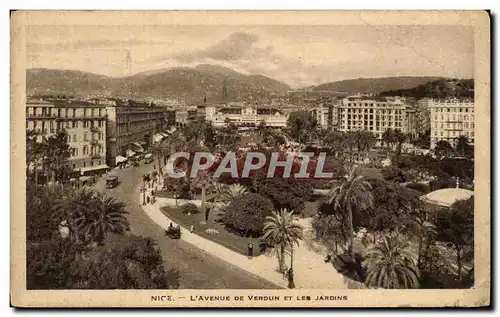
(84, 123)
(450, 119)
(375, 116)
(129, 127)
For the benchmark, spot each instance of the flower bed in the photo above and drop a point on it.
(223, 237)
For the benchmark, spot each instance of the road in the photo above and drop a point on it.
(198, 269)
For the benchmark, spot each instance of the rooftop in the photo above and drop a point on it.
(447, 196)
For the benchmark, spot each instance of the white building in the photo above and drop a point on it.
(246, 116)
(450, 119)
(376, 116)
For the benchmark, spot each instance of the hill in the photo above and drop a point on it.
(373, 85)
(443, 88)
(189, 84)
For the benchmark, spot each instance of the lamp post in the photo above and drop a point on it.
(291, 283)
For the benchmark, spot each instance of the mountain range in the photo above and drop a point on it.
(373, 85)
(192, 84)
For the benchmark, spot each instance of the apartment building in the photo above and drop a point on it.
(450, 119)
(85, 125)
(131, 126)
(246, 116)
(422, 115)
(376, 116)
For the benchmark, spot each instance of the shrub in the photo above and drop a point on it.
(189, 208)
(395, 174)
(287, 193)
(421, 187)
(246, 214)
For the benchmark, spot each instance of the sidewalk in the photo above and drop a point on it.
(311, 272)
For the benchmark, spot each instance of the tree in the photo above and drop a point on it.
(281, 232)
(335, 141)
(390, 264)
(399, 138)
(463, 147)
(56, 156)
(388, 137)
(457, 228)
(108, 216)
(353, 194)
(300, 125)
(123, 262)
(424, 232)
(48, 263)
(203, 180)
(329, 228)
(246, 214)
(366, 141)
(286, 193)
(159, 150)
(34, 153)
(443, 148)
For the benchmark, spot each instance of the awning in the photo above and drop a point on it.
(92, 168)
(130, 153)
(120, 159)
(148, 155)
(138, 146)
(157, 138)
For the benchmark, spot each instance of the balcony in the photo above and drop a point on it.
(40, 115)
(95, 155)
(94, 142)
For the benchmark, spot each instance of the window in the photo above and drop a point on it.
(74, 166)
(84, 164)
(73, 124)
(85, 150)
(85, 136)
(76, 151)
(74, 137)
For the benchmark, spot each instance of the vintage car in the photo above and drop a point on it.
(173, 231)
(111, 181)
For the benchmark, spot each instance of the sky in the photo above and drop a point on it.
(299, 56)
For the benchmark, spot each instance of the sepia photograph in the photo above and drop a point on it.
(212, 159)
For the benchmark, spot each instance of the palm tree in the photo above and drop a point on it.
(72, 208)
(462, 145)
(203, 180)
(282, 232)
(159, 149)
(425, 232)
(227, 193)
(390, 264)
(353, 194)
(108, 216)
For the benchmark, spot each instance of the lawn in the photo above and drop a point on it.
(223, 237)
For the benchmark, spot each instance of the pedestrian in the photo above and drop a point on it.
(192, 228)
(147, 199)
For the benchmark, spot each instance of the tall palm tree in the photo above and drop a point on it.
(159, 150)
(203, 181)
(389, 264)
(462, 145)
(282, 232)
(353, 194)
(424, 232)
(108, 216)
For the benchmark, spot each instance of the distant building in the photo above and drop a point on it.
(130, 127)
(376, 116)
(422, 116)
(85, 125)
(246, 116)
(450, 119)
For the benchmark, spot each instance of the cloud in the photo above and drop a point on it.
(232, 48)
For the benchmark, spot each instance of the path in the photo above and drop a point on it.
(311, 272)
(198, 269)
